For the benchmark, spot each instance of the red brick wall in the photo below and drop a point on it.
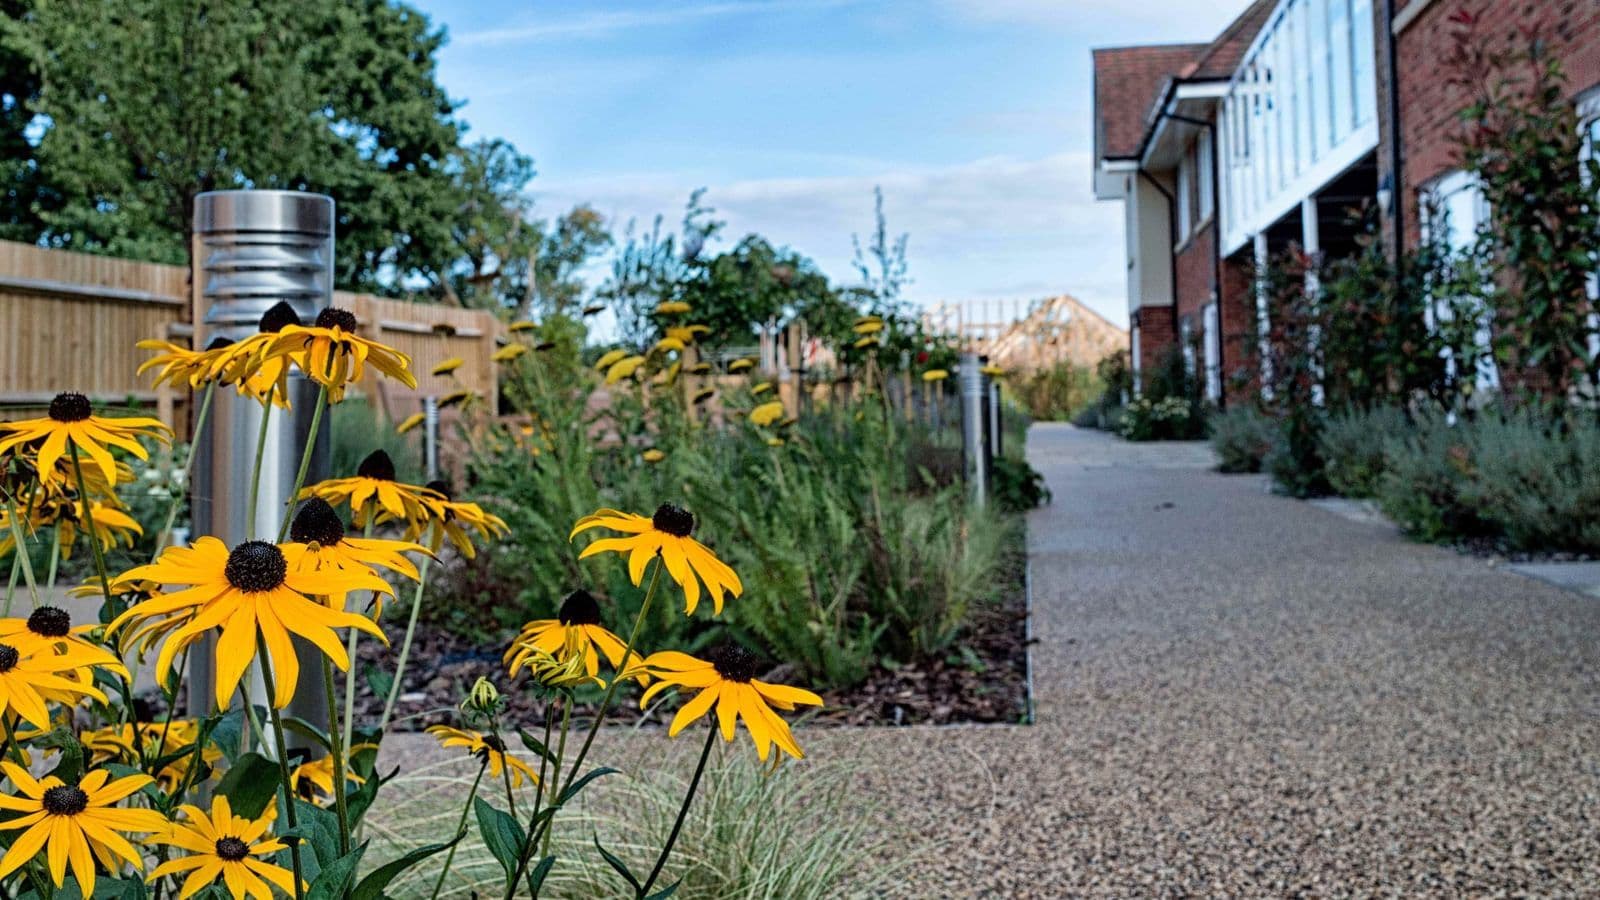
(1191, 271)
(1429, 105)
(1157, 335)
(1240, 369)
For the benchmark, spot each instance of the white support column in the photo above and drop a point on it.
(1311, 238)
(1263, 326)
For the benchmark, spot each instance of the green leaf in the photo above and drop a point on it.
(535, 746)
(501, 834)
(618, 865)
(579, 785)
(537, 875)
(227, 732)
(70, 768)
(379, 680)
(371, 887)
(358, 801)
(665, 892)
(250, 784)
(333, 882)
(306, 729)
(322, 828)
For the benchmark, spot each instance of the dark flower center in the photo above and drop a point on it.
(65, 800)
(674, 520)
(50, 621)
(256, 566)
(440, 487)
(579, 608)
(333, 317)
(232, 849)
(8, 657)
(217, 343)
(734, 662)
(70, 407)
(377, 466)
(494, 743)
(280, 316)
(317, 523)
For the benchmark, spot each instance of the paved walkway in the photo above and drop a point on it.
(1240, 694)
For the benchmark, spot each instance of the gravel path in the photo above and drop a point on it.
(1244, 695)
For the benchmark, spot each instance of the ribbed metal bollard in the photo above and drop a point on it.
(430, 436)
(974, 434)
(254, 249)
(996, 426)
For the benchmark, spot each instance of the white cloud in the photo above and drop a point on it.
(597, 23)
(996, 228)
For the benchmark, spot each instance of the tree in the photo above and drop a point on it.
(147, 103)
(649, 269)
(744, 288)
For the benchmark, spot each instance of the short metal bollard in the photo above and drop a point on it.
(974, 432)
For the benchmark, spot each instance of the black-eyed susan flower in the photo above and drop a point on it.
(741, 365)
(935, 375)
(313, 781)
(668, 345)
(766, 413)
(667, 534)
(49, 629)
(318, 541)
(245, 364)
(331, 353)
(575, 631)
(449, 365)
(568, 673)
(75, 824)
(993, 371)
(727, 680)
(71, 423)
(128, 743)
(456, 398)
(523, 325)
(224, 846)
(178, 366)
(456, 520)
(373, 490)
(623, 368)
(672, 307)
(762, 388)
(868, 325)
(486, 747)
(410, 422)
(112, 526)
(699, 368)
(244, 592)
(608, 358)
(703, 395)
(863, 343)
(509, 352)
(34, 673)
(653, 455)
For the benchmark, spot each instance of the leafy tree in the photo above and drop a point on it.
(23, 190)
(649, 268)
(740, 290)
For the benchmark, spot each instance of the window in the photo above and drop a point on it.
(1204, 169)
(1185, 189)
(1453, 209)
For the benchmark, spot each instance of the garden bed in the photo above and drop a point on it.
(982, 679)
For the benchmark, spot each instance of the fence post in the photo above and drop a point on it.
(974, 434)
(256, 249)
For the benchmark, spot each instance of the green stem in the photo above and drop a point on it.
(405, 645)
(505, 767)
(461, 830)
(254, 500)
(566, 720)
(172, 703)
(55, 557)
(683, 811)
(285, 788)
(11, 585)
(350, 673)
(21, 544)
(337, 748)
(188, 468)
(99, 568)
(305, 461)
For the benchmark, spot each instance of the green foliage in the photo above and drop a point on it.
(1536, 478)
(1058, 393)
(1018, 487)
(1242, 436)
(1295, 460)
(742, 289)
(1352, 445)
(1168, 419)
(357, 429)
(1425, 487)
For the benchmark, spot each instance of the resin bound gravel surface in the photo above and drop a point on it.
(1239, 694)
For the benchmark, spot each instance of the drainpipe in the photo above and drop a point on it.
(1216, 245)
(1396, 199)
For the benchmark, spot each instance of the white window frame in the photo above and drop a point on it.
(1184, 190)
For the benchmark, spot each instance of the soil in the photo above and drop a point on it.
(983, 679)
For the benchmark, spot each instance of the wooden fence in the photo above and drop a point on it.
(69, 321)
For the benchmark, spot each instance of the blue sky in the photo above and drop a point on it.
(973, 115)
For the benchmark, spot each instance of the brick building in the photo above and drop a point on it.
(1225, 152)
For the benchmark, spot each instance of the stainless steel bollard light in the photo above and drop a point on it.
(430, 436)
(252, 250)
(974, 434)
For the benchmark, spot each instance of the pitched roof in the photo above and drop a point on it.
(1125, 82)
(1222, 57)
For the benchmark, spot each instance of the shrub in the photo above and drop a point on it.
(1352, 447)
(1242, 437)
(1426, 484)
(1295, 460)
(1058, 393)
(1147, 419)
(1536, 478)
(1018, 487)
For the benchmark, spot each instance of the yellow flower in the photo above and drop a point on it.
(739, 365)
(935, 375)
(331, 353)
(766, 413)
(993, 371)
(374, 490)
(703, 395)
(72, 423)
(699, 368)
(111, 525)
(575, 631)
(314, 780)
(774, 442)
(727, 680)
(868, 325)
(48, 629)
(623, 368)
(668, 345)
(410, 422)
(672, 307)
(127, 743)
(761, 388)
(509, 352)
(524, 325)
(653, 455)
(245, 363)
(77, 822)
(666, 534)
(868, 341)
(453, 519)
(319, 543)
(449, 365)
(486, 747)
(180, 367)
(245, 592)
(456, 398)
(33, 672)
(223, 845)
(556, 673)
(686, 333)
(610, 357)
